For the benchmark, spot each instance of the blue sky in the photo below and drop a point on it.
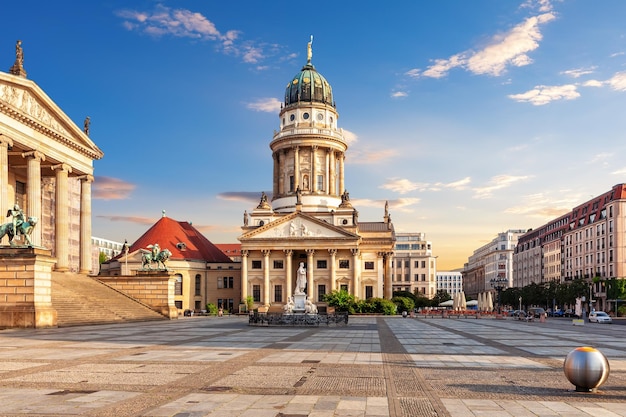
(469, 117)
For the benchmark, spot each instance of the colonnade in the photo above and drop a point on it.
(329, 186)
(326, 254)
(34, 161)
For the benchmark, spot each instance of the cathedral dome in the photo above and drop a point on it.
(308, 86)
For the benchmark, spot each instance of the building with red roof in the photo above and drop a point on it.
(204, 273)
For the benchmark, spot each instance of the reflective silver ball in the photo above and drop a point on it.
(587, 368)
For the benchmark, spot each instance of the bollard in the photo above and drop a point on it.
(587, 368)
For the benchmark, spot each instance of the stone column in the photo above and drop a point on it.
(332, 190)
(355, 273)
(296, 167)
(5, 144)
(313, 179)
(276, 170)
(33, 191)
(342, 157)
(310, 281)
(266, 277)
(327, 172)
(333, 276)
(288, 278)
(387, 281)
(244, 275)
(85, 224)
(62, 226)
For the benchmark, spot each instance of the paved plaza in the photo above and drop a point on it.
(374, 366)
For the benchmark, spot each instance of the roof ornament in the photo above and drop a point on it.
(309, 51)
(162, 213)
(86, 125)
(18, 66)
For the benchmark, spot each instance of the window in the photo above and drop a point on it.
(423, 264)
(256, 264)
(321, 264)
(278, 264)
(198, 284)
(291, 183)
(225, 282)
(344, 264)
(278, 293)
(369, 265)
(343, 287)
(178, 285)
(178, 304)
(416, 264)
(320, 183)
(369, 291)
(321, 292)
(256, 293)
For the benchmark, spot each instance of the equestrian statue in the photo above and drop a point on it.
(155, 255)
(18, 226)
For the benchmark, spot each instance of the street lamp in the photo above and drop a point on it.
(499, 284)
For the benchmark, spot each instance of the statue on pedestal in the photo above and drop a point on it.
(301, 279)
(18, 226)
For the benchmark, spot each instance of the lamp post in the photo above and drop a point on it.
(499, 284)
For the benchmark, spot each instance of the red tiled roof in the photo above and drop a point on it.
(171, 234)
(230, 249)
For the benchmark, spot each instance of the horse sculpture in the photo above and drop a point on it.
(23, 228)
(160, 258)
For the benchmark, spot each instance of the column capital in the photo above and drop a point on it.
(266, 252)
(245, 253)
(332, 252)
(6, 141)
(35, 155)
(310, 252)
(61, 167)
(355, 251)
(86, 178)
(288, 252)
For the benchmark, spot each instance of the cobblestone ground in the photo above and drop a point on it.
(202, 366)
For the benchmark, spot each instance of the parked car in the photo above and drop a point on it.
(558, 313)
(570, 313)
(536, 311)
(518, 313)
(599, 317)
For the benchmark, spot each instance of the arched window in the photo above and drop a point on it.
(178, 286)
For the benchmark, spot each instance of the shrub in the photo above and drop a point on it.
(403, 303)
(211, 309)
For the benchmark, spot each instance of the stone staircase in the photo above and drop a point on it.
(80, 300)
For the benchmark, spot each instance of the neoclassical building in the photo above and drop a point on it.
(46, 167)
(309, 218)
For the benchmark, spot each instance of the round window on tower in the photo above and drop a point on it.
(292, 117)
(331, 119)
(305, 116)
(320, 116)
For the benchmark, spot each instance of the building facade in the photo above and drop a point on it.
(450, 282)
(414, 267)
(46, 169)
(309, 218)
(491, 263)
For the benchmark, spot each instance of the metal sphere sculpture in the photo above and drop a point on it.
(587, 368)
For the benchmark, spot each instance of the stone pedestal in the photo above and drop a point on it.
(299, 301)
(153, 288)
(26, 288)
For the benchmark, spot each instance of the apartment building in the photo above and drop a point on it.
(414, 267)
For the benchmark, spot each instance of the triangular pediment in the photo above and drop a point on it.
(298, 226)
(25, 101)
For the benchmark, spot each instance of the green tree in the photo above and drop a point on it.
(102, 257)
(342, 301)
(403, 304)
(441, 297)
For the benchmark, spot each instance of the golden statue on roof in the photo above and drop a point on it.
(309, 50)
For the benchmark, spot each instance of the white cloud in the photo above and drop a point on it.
(350, 137)
(601, 158)
(544, 205)
(592, 83)
(370, 156)
(508, 49)
(497, 183)
(619, 171)
(544, 94)
(399, 94)
(579, 72)
(618, 81)
(402, 185)
(400, 204)
(269, 105)
(459, 185)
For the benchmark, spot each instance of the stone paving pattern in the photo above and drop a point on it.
(374, 367)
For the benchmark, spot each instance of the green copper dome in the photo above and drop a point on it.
(308, 85)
